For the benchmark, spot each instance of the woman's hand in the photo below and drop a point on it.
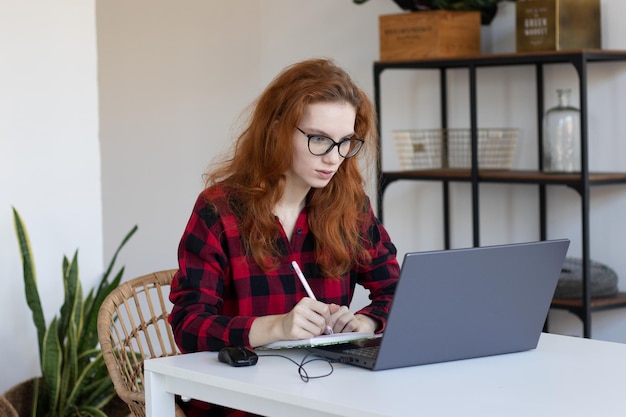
(307, 319)
(344, 321)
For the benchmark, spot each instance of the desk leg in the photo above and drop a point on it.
(159, 402)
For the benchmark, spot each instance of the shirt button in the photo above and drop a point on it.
(299, 230)
(290, 267)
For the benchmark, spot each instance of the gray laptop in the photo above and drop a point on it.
(462, 303)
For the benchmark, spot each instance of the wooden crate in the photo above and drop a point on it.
(429, 34)
(555, 25)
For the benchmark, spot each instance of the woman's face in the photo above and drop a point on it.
(331, 119)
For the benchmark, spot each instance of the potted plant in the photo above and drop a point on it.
(74, 380)
(487, 8)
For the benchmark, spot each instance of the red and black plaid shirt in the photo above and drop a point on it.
(219, 290)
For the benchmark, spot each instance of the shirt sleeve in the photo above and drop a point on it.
(197, 317)
(381, 275)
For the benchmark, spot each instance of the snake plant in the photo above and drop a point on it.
(74, 380)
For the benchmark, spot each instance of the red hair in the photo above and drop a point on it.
(254, 175)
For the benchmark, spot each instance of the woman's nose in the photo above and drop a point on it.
(333, 156)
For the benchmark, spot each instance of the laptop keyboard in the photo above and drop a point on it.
(367, 352)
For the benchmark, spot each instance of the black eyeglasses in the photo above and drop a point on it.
(321, 145)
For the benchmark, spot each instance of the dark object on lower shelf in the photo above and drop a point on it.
(603, 280)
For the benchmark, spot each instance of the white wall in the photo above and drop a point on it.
(49, 162)
(172, 79)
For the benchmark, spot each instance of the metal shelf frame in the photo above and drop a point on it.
(580, 182)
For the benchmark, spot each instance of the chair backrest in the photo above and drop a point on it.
(132, 327)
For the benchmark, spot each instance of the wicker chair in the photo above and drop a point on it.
(132, 327)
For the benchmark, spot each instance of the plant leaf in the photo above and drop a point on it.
(35, 403)
(112, 262)
(30, 279)
(90, 390)
(73, 294)
(88, 412)
(90, 336)
(51, 365)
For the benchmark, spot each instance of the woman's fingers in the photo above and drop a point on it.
(343, 319)
(308, 318)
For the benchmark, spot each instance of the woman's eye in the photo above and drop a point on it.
(319, 139)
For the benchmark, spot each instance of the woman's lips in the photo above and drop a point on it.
(326, 175)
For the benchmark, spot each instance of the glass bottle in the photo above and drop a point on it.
(561, 136)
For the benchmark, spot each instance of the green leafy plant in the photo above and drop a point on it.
(487, 8)
(74, 380)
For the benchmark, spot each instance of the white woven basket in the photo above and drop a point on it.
(451, 148)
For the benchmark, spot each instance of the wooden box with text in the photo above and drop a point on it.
(556, 25)
(429, 34)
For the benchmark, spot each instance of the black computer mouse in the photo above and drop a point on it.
(237, 356)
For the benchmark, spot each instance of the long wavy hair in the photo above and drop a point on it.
(254, 174)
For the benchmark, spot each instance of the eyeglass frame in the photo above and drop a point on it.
(337, 144)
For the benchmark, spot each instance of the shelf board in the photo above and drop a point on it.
(523, 58)
(506, 176)
(601, 303)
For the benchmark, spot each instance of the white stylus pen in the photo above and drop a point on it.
(309, 292)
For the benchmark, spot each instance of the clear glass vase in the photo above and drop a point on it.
(561, 136)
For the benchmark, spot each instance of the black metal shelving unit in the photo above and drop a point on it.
(580, 182)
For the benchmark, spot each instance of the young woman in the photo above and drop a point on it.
(291, 191)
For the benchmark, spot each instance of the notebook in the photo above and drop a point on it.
(322, 340)
(461, 304)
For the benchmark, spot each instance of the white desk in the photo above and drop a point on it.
(564, 376)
